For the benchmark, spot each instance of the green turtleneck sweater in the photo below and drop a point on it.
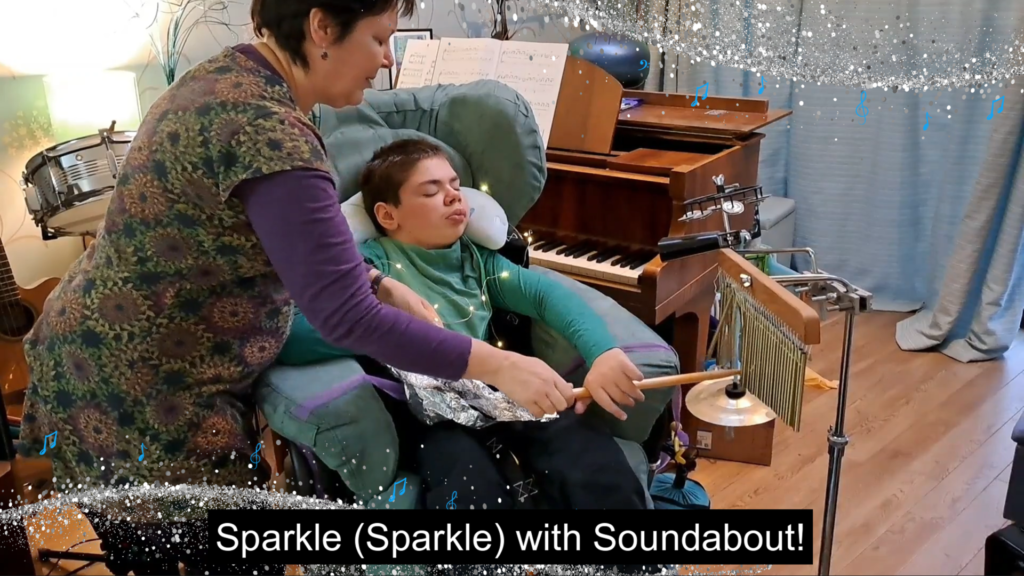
(465, 283)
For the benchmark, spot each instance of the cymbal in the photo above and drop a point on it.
(716, 402)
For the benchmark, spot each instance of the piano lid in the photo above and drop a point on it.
(731, 118)
(588, 115)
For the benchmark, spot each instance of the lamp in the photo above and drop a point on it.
(81, 103)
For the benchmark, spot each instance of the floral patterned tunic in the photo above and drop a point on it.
(157, 332)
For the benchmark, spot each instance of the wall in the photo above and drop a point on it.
(99, 34)
(106, 34)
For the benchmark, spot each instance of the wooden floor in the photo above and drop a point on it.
(925, 474)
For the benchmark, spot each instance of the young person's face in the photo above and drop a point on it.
(433, 213)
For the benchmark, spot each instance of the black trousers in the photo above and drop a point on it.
(568, 463)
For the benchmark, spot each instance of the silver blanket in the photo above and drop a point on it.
(467, 402)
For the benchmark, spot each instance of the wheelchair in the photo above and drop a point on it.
(325, 423)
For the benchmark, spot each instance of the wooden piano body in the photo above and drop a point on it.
(616, 186)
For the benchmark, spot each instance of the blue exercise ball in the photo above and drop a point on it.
(628, 61)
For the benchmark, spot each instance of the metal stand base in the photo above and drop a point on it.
(837, 442)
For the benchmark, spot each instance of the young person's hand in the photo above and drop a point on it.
(398, 295)
(532, 384)
(611, 382)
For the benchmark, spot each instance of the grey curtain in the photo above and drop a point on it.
(928, 221)
(980, 300)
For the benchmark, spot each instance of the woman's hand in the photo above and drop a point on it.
(611, 381)
(533, 385)
(398, 295)
(529, 382)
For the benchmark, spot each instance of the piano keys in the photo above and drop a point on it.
(589, 259)
(617, 180)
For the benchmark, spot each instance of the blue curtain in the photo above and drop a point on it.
(925, 220)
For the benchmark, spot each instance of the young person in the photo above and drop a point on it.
(412, 195)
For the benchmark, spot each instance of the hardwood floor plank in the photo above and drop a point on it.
(1005, 476)
(976, 567)
(41, 534)
(916, 461)
(959, 541)
(938, 508)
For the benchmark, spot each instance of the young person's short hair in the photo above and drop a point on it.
(389, 169)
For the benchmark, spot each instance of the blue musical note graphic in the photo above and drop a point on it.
(402, 482)
(761, 89)
(992, 114)
(143, 452)
(643, 64)
(451, 503)
(697, 98)
(52, 442)
(861, 106)
(255, 458)
(927, 119)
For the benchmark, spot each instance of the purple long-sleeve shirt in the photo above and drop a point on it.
(299, 223)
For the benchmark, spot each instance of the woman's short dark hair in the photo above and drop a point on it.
(285, 20)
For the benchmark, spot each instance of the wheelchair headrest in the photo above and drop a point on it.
(487, 129)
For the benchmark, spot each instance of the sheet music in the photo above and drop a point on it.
(418, 64)
(534, 69)
(465, 60)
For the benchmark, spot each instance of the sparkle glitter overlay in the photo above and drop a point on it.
(836, 42)
(50, 517)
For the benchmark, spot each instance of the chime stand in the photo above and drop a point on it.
(834, 293)
(852, 301)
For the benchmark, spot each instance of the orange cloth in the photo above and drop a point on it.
(812, 378)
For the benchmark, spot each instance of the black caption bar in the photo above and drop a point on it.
(511, 537)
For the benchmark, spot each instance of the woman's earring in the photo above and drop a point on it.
(323, 55)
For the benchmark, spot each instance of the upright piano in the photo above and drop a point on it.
(616, 184)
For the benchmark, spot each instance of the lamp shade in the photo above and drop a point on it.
(82, 103)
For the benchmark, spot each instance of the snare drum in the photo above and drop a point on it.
(68, 186)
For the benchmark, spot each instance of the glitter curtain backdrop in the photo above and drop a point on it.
(842, 43)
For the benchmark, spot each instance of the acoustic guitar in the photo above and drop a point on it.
(19, 309)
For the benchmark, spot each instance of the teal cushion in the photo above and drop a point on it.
(486, 128)
(332, 408)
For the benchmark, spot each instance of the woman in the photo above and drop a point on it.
(225, 213)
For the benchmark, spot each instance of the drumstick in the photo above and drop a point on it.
(669, 381)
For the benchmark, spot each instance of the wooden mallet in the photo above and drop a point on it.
(669, 381)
